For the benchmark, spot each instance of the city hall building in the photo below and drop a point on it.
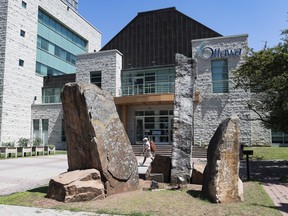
(137, 67)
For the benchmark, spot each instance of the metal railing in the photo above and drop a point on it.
(153, 88)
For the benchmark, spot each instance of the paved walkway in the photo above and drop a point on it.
(22, 174)
(269, 173)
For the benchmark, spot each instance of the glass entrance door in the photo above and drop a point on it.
(139, 130)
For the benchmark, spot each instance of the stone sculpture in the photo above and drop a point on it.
(221, 181)
(96, 137)
(183, 112)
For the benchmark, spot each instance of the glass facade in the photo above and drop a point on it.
(155, 124)
(220, 76)
(57, 47)
(148, 81)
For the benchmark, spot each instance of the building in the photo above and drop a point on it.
(137, 67)
(37, 39)
(73, 4)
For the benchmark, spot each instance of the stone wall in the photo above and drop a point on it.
(110, 65)
(3, 26)
(213, 108)
(20, 84)
(54, 113)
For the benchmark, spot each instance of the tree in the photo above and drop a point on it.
(266, 73)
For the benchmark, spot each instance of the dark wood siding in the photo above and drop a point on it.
(153, 38)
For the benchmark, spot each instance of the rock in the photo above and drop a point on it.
(76, 186)
(159, 169)
(221, 176)
(154, 185)
(96, 137)
(183, 113)
(197, 173)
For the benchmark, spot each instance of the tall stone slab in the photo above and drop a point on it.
(183, 113)
(96, 137)
(221, 181)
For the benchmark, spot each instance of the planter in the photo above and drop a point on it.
(8, 151)
(38, 149)
(50, 150)
(25, 150)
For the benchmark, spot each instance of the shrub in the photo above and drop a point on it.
(37, 141)
(8, 144)
(23, 142)
(51, 146)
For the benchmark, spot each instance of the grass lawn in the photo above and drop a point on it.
(268, 153)
(163, 202)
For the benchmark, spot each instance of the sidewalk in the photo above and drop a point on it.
(268, 173)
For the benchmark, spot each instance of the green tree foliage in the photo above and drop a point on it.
(267, 72)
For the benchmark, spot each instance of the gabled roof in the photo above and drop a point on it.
(153, 38)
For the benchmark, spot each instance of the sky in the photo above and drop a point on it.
(262, 20)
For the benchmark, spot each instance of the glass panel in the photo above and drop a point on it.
(139, 130)
(219, 76)
(149, 81)
(36, 124)
(45, 124)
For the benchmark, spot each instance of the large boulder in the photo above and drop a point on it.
(197, 173)
(96, 137)
(159, 169)
(76, 186)
(221, 181)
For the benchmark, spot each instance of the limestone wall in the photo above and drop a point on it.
(108, 62)
(213, 108)
(54, 113)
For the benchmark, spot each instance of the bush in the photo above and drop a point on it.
(37, 142)
(51, 146)
(8, 144)
(23, 142)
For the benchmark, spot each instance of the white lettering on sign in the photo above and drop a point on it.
(206, 52)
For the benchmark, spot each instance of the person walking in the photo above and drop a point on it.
(147, 150)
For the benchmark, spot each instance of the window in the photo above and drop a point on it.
(46, 70)
(36, 128)
(45, 131)
(22, 33)
(24, 4)
(21, 62)
(219, 76)
(95, 78)
(61, 29)
(148, 81)
(279, 137)
(45, 124)
(51, 95)
(55, 50)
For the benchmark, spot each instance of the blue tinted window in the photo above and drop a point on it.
(219, 76)
(61, 29)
